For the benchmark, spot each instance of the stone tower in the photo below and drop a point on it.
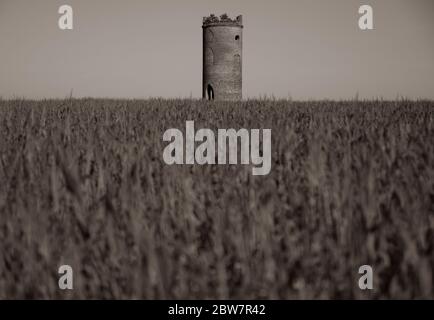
(222, 58)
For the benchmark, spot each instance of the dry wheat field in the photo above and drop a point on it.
(83, 183)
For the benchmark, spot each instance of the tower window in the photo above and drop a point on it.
(209, 56)
(237, 37)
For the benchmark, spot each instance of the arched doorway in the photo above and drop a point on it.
(210, 92)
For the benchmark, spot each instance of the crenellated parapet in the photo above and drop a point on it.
(223, 20)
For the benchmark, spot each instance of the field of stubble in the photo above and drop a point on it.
(83, 183)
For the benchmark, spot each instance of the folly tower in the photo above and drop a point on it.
(222, 58)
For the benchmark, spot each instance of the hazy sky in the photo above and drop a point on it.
(137, 48)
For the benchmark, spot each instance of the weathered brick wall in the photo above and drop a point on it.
(222, 61)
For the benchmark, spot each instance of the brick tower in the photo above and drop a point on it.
(222, 58)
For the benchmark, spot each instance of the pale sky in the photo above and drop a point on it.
(137, 49)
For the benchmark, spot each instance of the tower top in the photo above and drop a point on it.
(224, 20)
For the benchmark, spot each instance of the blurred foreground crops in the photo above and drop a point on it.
(83, 183)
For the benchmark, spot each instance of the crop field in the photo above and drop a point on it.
(83, 183)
